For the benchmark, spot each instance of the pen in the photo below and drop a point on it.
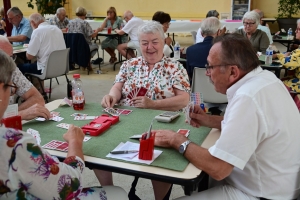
(124, 152)
(149, 131)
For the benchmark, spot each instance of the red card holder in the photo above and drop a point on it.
(99, 125)
(12, 122)
(147, 148)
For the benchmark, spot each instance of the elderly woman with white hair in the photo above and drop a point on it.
(258, 38)
(165, 81)
(30, 172)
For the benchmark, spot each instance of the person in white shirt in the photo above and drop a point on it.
(44, 40)
(257, 154)
(130, 28)
(261, 27)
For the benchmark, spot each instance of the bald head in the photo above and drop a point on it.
(6, 46)
(128, 15)
(36, 19)
(261, 13)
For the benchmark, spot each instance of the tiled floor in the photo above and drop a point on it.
(95, 87)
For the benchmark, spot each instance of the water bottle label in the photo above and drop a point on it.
(78, 96)
(177, 48)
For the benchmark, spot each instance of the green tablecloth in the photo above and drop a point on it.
(135, 123)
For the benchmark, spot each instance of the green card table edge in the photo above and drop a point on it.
(189, 177)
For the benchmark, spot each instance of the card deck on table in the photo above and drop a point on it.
(63, 125)
(56, 118)
(86, 138)
(53, 114)
(123, 111)
(184, 132)
(57, 145)
(112, 111)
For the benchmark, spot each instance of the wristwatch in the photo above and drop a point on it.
(183, 146)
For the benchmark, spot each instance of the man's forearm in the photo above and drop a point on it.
(213, 121)
(17, 38)
(31, 101)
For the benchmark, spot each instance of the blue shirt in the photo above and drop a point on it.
(24, 28)
(196, 55)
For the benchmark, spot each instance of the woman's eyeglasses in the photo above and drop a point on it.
(13, 89)
(248, 23)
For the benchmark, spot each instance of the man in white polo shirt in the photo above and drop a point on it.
(257, 155)
(131, 28)
(45, 39)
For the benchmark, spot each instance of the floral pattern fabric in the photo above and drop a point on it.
(292, 62)
(166, 75)
(78, 25)
(29, 172)
(61, 25)
(21, 82)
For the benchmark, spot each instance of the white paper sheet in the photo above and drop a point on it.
(133, 157)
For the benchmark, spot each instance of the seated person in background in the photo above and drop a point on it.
(211, 13)
(2, 21)
(291, 61)
(130, 28)
(21, 32)
(30, 172)
(261, 27)
(258, 38)
(249, 158)
(110, 43)
(34, 104)
(45, 39)
(196, 55)
(60, 19)
(166, 80)
(79, 25)
(164, 19)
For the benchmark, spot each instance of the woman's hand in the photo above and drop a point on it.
(74, 133)
(108, 101)
(142, 102)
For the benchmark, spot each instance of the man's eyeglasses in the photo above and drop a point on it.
(248, 23)
(9, 19)
(13, 89)
(210, 67)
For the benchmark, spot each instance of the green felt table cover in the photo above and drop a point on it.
(137, 122)
(18, 47)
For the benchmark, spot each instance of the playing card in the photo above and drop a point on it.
(53, 144)
(142, 92)
(40, 119)
(184, 132)
(86, 138)
(56, 118)
(63, 125)
(78, 114)
(111, 111)
(68, 101)
(126, 112)
(54, 114)
(62, 147)
(84, 117)
(189, 108)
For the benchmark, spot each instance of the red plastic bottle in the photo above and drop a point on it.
(77, 93)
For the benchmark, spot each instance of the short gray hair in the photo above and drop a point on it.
(210, 26)
(151, 27)
(298, 21)
(15, 10)
(60, 9)
(7, 66)
(252, 15)
(36, 18)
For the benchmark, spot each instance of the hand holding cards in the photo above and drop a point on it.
(137, 92)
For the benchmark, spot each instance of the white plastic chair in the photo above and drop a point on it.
(201, 84)
(194, 33)
(57, 65)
